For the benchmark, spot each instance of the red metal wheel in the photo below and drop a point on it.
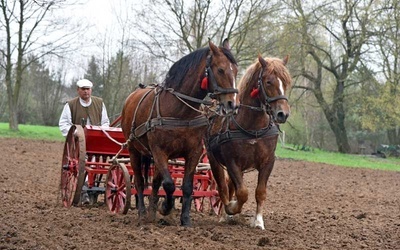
(216, 204)
(199, 204)
(208, 186)
(118, 189)
(73, 166)
(199, 201)
(215, 200)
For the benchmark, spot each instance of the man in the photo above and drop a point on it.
(84, 108)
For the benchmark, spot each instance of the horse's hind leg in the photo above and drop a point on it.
(261, 195)
(154, 198)
(138, 180)
(145, 162)
(187, 189)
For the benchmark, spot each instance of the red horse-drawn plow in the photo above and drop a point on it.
(95, 161)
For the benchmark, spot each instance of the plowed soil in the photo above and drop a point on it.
(309, 206)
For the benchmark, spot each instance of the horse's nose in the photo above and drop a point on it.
(230, 107)
(281, 116)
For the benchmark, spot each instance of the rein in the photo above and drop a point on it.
(181, 98)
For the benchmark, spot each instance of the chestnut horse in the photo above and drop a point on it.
(165, 121)
(248, 139)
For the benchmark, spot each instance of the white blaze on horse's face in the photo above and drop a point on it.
(281, 87)
(233, 77)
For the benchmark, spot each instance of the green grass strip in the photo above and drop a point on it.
(346, 160)
(314, 155)
(32, 132)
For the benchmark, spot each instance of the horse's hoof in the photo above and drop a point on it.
(186, 223)
(229, 210)
(226, 218)
(142, 213)
(164, 211)
(142, 219)
(232, 208)
(163, 222)
(151, 217)
(258, 224)
(260, 227)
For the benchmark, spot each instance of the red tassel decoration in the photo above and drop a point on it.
(254, 93)
(204, 83)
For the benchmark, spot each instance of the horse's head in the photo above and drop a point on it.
(221, 71)
(271, 87)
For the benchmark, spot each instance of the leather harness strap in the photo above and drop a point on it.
(230, 135)
(163, 122)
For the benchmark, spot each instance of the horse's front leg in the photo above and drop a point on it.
(164, 177)
(261, 194)
(242, 194)
(220, 178)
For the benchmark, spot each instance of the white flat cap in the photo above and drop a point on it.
(84, 83)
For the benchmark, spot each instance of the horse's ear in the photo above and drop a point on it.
(262, 61)
(213, 48)
(286, 59)
(226, 44)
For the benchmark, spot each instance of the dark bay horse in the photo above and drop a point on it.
(248, 139)
(165, 121)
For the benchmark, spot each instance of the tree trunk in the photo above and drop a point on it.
(13, 117)
(393, 136)
(342, 141)
(335, 117)
(339, 130)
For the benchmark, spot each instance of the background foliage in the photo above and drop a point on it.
(344, 59)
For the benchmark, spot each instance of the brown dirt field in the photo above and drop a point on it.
(309, 206)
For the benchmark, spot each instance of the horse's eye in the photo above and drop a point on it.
(221, 71)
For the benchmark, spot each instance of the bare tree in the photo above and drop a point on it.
(27, 27)
(113, 71)
(333, 38)
(3, 95)
(171, 29)
(381, 107)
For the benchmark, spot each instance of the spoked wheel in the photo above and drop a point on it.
(215, 200)
(216, 204)
(199, 201)
(73, 166)
(199, 204)
(118, 189)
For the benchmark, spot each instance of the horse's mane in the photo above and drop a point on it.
(274, 66)
(192, 61)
